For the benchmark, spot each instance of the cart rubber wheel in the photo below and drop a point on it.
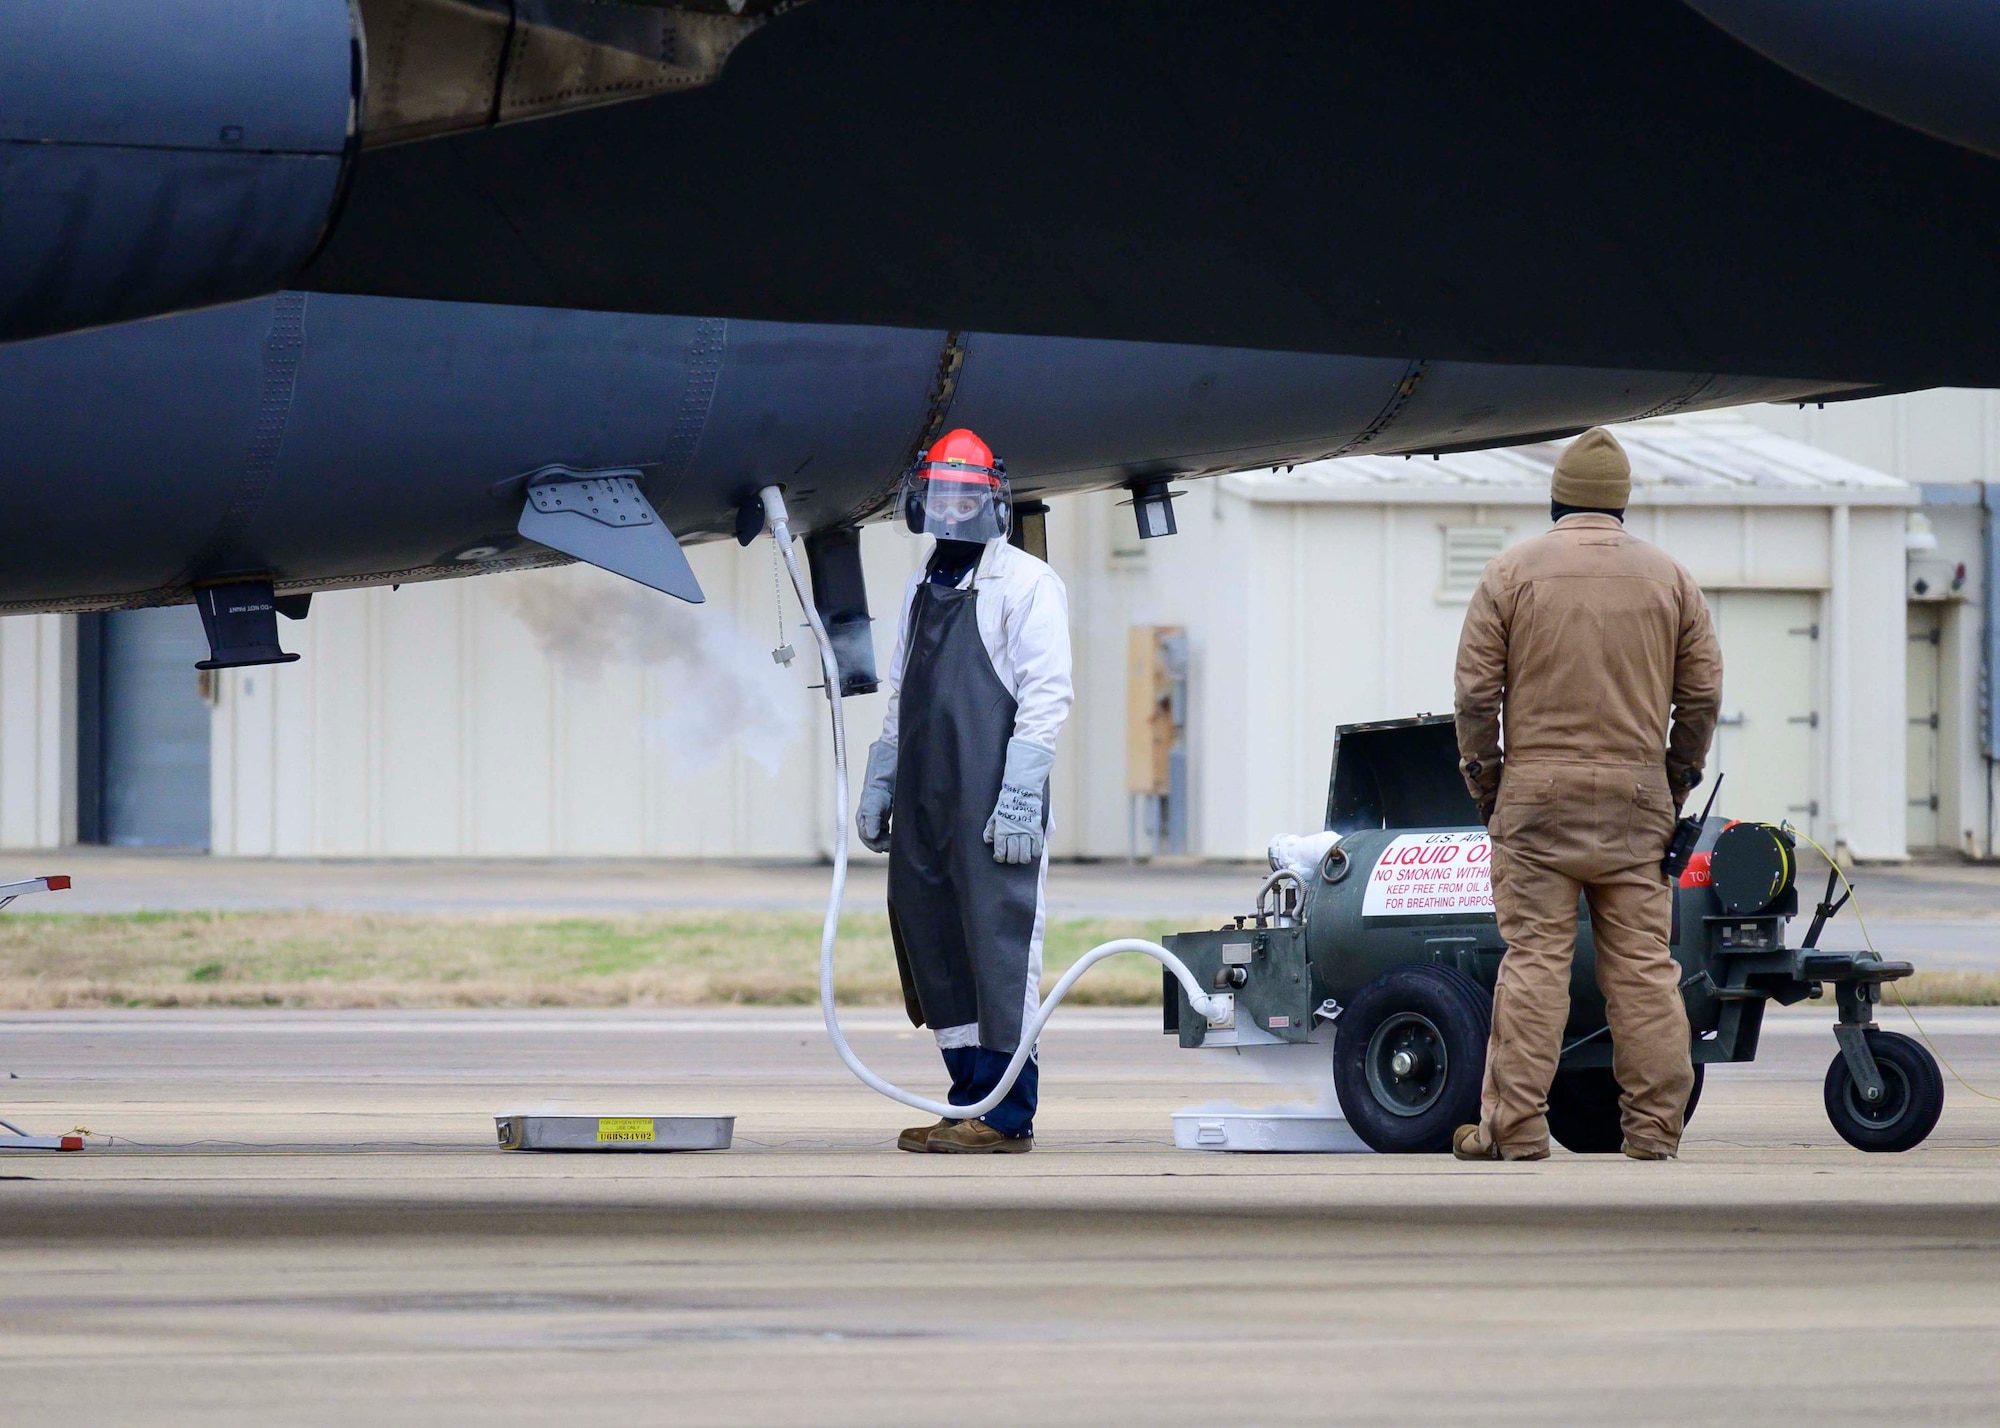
(1583, 1109)
(1409, 1055)
(1908, 1111)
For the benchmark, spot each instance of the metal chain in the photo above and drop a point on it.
(781, 652)
(777, 594)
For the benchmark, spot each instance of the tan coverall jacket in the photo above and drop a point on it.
(1598, 651)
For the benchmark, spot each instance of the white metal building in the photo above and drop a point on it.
(1948, 443)
(1333, 594)
(37, 731)
(567, 713)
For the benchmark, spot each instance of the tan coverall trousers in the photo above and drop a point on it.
(1598, 829)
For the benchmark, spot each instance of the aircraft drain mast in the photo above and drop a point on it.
(1152, 506)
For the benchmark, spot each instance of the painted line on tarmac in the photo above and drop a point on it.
(1942, 1021)
(1939, 1021)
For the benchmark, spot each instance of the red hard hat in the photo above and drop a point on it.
(961, 448)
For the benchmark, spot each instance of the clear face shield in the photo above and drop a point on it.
(951, 502)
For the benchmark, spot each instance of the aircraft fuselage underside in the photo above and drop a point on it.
(328, 441)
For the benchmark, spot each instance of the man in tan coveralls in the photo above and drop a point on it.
(1585, 639)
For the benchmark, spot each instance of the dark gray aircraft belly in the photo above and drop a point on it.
(331, 441)
(1612, 185)
(1484, 183)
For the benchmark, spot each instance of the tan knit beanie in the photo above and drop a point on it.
(1593, 472)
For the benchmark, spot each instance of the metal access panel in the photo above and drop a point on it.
(152, 787)
(1265, 968)
(616, 1133)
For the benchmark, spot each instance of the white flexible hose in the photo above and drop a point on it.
(1204, 1005)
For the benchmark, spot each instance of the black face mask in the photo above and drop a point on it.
(950, 559)
(1557, 510)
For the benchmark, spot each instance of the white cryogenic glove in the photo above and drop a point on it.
(871, 819)
(1015, 829)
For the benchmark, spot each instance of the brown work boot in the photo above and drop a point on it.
(1470, 1143)
(918, 1138)
(1646, 1152)
(977, 1138)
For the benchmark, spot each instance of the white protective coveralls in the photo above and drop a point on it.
(968, 930)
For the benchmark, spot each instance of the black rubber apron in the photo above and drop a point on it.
(963, 924)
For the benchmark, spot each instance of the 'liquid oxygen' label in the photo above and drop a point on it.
(1427, 873)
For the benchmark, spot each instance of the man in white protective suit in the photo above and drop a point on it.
(957, 789)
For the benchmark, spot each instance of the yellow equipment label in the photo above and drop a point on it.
(624, 1128)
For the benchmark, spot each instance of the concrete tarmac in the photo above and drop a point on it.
(300, 1218)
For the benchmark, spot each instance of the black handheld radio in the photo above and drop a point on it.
(1687, 832)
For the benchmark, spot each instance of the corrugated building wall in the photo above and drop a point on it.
(1319, 598)
(37, 731)
(553, 713)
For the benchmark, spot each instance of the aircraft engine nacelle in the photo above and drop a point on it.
(160, 155)
(165, 154)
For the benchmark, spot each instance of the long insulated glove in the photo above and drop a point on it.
(878, 795)
(1015, 829)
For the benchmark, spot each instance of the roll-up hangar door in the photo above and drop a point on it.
(143, 729)
(1767, 741)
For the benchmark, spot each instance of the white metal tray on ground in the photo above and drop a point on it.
(1282, 1129)
(532, 1131)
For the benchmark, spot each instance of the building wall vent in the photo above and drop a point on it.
(1466, 551)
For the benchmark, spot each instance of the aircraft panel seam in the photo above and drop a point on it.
(1696, 385)
(704, 372)
(937, 412)
(284, 348)
(1406, 387)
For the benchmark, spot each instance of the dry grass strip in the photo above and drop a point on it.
(1946, 989)
(322, 959)
(318, 959)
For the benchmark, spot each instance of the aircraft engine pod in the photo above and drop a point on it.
(163, 154)
(1388, 949)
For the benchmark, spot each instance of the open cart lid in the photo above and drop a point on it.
(1397, 773)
